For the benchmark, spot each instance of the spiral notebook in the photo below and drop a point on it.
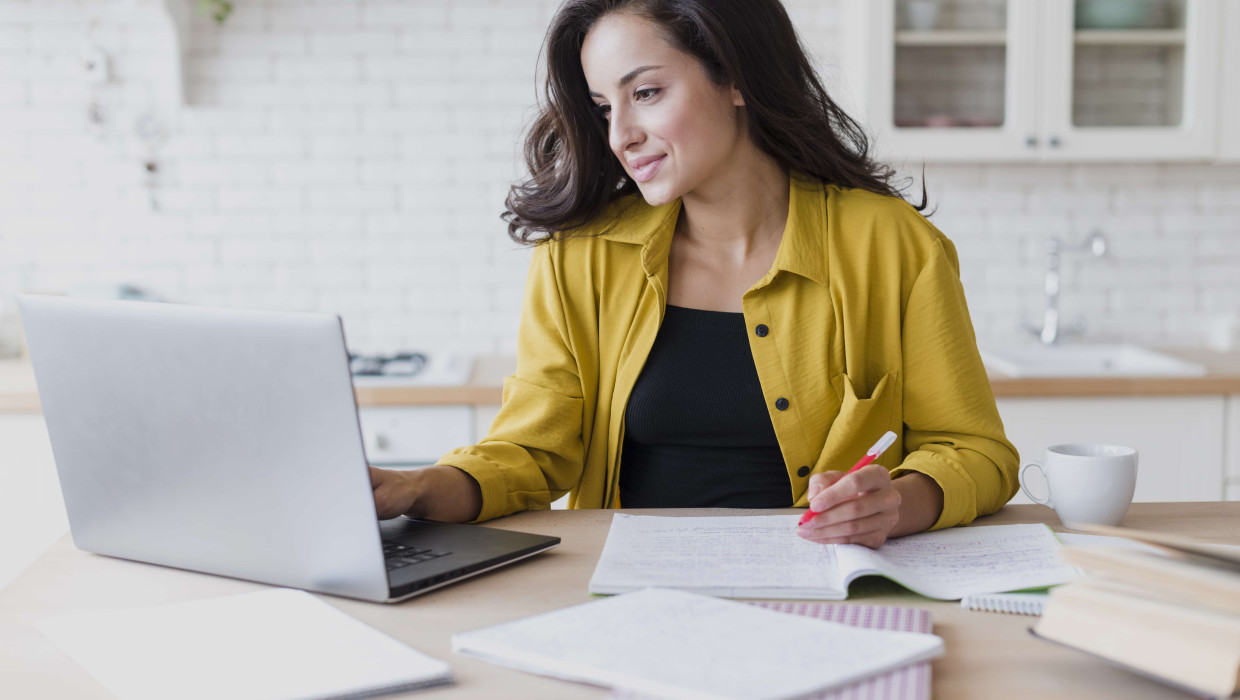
(911, 682)
(1015, 603)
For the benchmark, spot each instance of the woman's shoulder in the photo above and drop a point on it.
(862, 221)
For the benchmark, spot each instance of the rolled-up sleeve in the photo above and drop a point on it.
(953, 432)
(533, 453)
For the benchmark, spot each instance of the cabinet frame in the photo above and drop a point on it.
(869, 69)
(1038, 92)
(1229, 89)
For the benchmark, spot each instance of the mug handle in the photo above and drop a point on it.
(1024, 484)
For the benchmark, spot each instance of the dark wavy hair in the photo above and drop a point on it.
(751, 44)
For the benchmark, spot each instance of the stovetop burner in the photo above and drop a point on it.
(404, 364)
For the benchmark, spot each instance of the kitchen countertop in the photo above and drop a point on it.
(19, 395)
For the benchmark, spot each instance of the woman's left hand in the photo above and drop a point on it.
(859, 508)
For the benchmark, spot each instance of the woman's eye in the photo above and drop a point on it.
(643, 95)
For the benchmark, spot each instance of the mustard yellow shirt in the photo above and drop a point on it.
(866, 331)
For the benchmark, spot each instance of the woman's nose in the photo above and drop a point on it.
(624, 132)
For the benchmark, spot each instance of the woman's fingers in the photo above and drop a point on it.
(870, 530)
(858, 508)
(820, 481)
(884, 499)
(847, 487)
(392, 495)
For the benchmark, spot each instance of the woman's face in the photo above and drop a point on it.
(671, 127)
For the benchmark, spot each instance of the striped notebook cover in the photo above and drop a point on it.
(911, 682)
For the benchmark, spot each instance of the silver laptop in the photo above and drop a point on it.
(227, 441)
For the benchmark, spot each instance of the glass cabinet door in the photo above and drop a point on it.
(951, 79)
(950, 64)
(1131, 79)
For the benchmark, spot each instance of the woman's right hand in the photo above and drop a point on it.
(442, 493)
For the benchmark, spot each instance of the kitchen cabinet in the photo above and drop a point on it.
(1034, 80)
(1180, 439)
(1229, 131)
(406, 436)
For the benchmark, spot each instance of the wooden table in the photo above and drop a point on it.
(989, 655)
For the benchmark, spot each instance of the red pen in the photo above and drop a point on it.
(871, 454)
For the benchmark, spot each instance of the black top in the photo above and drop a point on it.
(697, 432)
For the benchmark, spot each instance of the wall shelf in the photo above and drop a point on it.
(996, 37)
(1144, 37)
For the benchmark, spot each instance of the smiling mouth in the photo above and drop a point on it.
(648, 170)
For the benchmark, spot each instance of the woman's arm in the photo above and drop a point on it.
(441, 493)
(534, 451)
(921, 503)
(958, 463)
(952, 429)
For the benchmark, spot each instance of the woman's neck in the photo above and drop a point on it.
(740, 212)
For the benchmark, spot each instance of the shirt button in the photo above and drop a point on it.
(761, 330)
(803, 472)
(781, 403)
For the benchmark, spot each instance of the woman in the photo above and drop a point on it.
(728, 303)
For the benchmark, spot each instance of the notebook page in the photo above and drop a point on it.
(910, 682)
(713, 555)
(675, 644)
(950, 564)
(277, 643)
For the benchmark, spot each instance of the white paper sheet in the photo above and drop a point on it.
(674, 644)
(950, 564)
(278, 643)
(713, 555)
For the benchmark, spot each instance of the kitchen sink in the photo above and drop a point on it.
(1087, 361)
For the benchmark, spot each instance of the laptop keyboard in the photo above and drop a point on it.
(398, 555)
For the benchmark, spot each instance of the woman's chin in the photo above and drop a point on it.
(656, 195)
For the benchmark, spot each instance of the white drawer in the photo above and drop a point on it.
(414, 435)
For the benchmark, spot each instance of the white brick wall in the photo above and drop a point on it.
(353, 156)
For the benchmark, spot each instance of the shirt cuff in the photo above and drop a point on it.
(959, 497)
(490, 479)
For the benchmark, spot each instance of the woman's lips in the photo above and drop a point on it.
(648, 170)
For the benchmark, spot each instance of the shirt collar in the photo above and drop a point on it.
(802, 250)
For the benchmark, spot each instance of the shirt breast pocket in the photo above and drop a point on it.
(865, 414)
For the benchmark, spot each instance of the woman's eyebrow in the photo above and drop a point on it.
(629, 77)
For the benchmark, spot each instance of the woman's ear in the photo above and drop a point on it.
(737, 99)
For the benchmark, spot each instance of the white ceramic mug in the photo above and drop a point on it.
(1086, 482)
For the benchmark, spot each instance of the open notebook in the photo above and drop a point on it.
(271, 644)
(762, 557)
(673, 644)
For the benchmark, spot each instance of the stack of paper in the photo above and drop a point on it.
(271, 644)
(674, 644)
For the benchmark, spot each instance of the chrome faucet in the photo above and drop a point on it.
(1050, 331)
